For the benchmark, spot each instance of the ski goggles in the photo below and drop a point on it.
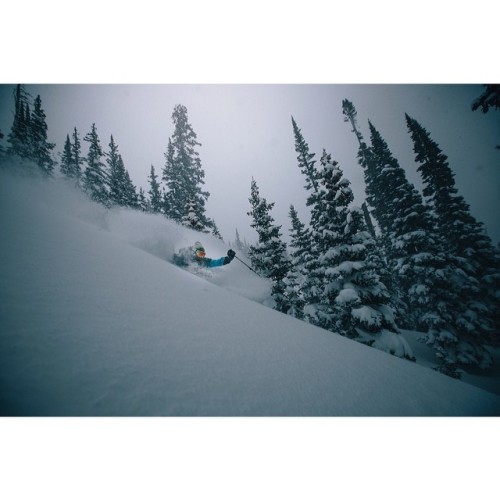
(200, 253)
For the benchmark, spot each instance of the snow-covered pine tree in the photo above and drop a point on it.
(302, 256)
(130, 198)
(143, 201)
(71, 160)
(116, 170)
(269, 257)
(425, 271)
(66, 164)
(300, 241)
(306, 161)
(353, 300)
(154, 192)
(19, 136)
(41, 149)
(76, 155)
(183, 173)
(293, 293)
(95, 177)
(378, 255)
(464, 237)
(191, 219)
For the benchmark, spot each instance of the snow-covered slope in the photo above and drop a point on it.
(94, 320)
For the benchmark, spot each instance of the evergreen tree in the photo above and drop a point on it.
(268, 256)
(375, 192)
(364, 153)
(19, 133)
(191, 219)
(300, 256)
(293, 292)
(305, 160)
(41, 149)
(300, 242)
(96, 178)
(76, 155)
(183, 173)
(130, 198)
(425, 271)
(121, 190)
(490, 98)
(143, 202)
(352, 300)
(465, 238)
(66, 165)
(116, 174)
(154, 192)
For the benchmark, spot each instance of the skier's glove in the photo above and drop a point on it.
(230, 255)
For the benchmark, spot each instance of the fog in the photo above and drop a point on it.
(246, 131)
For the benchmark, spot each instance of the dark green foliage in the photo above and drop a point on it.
(301, 240)
(18, 139)
(305, 159)
(352, 299)
(490, 98)
(183, 173)
(142, 201)
(95, 177)
(191, 218)
(154, 192)
(28, 135)
(268, 256)
(426, 270)
(66, 165)
(121, 190)
(473, 253)
(215, 230)
(76, 156)
(41, 149)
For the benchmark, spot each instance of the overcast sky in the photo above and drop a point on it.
(246, 131)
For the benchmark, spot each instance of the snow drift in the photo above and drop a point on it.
(95, 320)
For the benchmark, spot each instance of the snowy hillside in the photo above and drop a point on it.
(95, 320)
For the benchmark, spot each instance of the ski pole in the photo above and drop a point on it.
(245, 264)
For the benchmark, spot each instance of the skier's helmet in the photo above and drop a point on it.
(199, 251)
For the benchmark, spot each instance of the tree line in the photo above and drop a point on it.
(425, 264)
(102, 175)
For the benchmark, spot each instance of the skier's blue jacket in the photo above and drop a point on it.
(188, 255)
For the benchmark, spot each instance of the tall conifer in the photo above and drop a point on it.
(269, 255)
(96, 178)
(183, 172)
(154, 192)
(41, 149)
(425, 269)
(465, 238)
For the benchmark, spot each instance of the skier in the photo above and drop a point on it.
(196, 254)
